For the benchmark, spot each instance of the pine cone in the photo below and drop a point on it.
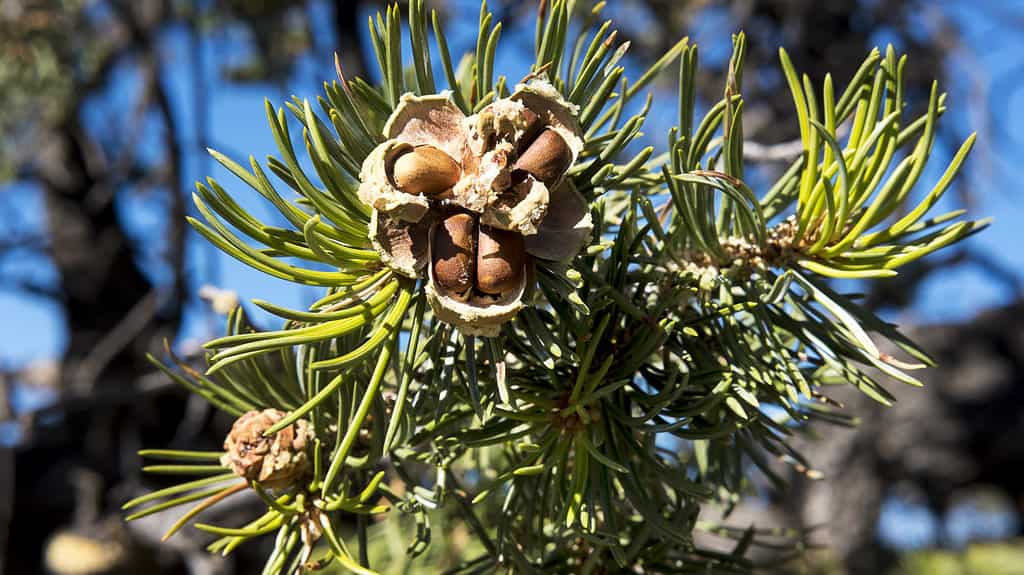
(276, 461)
(473, 199)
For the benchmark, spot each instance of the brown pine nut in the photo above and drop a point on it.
(546, 159)
(425, 170)
(454, 246)
(499, 260)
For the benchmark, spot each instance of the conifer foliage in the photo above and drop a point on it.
(530, 328)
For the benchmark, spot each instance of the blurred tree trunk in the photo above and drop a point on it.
(113, 312)
(347, 28)
(108, 302)
(6, 500)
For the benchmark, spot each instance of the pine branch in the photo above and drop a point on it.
(667, 326)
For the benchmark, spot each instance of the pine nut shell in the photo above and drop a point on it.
(433, 120)
(402, 245)
(565, 230)
(417, 121)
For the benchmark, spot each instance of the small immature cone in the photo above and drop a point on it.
(452, 253)
(276, 461)
(425, 170)
(499, 261)
(546, 159)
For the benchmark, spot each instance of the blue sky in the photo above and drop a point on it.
(990, 55)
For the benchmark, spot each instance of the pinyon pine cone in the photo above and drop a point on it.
(276, 461)
(473, 199)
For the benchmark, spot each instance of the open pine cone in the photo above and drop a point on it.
(476, 198)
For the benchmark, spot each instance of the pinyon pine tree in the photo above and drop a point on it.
(556, 350)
